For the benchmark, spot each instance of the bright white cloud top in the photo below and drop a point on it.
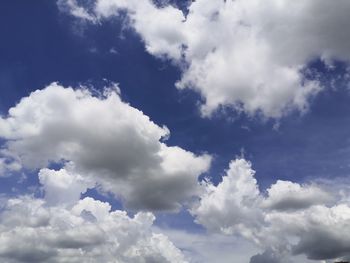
(244, 54)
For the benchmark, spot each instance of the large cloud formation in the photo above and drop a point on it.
(104, 140)
(77, 230)
(292, 219)
(246, 54)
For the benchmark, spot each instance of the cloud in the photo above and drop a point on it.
(104, 140)
(320, 230)
(267, 256)
(32, 231)
(232, 206)
(208, 248)
(63, 186)
(72, 6)
(160, 28)
(248, 55)
(8, 166)
(285, 195)
(72, 230)
(291, 220)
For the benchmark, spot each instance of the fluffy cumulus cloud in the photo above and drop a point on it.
(245, 54)
(77, 230)
(289, 220)
(238, 191)
(63, 186)
(285, 195)
(103, 140)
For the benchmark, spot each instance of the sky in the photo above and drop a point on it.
(174, 131)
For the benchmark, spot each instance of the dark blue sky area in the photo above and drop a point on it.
(40, 45)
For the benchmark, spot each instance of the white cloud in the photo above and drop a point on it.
(63, 186)
(246, 54)
(105, 140)
(31, 231)
(320, 230)
(161, 29)
(77, 230)
(285, 195)
(292, 220)
(72, 6)
(232, 206)
(7, 167)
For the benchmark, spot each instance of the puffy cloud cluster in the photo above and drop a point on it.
(63, 186)
(246, 54)
(238, 191)
(77, 230)
(285, 195)
(103, 140)
(292, 219)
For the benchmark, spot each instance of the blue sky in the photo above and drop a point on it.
(45, 42)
